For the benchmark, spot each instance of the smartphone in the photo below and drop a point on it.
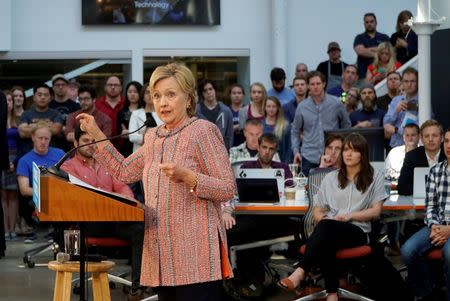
(411, 106)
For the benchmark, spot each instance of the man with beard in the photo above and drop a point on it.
(87, 97)
(278, 78)
(112, 102)
(369, 115)
(366, 43)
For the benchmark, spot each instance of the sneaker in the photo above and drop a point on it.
(30, 239)
(13, 236)
(7, 236)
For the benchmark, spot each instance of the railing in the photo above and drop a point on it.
(381, 87)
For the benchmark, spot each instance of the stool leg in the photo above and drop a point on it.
(63, 285)
(100, 287)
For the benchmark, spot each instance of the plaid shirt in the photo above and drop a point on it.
(437, 201)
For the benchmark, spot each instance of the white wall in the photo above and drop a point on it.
(5, 25)
(55, 26)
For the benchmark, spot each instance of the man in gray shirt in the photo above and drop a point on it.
(318, 113)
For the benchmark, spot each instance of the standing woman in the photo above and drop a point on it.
(187, 175)
(18, 96)
(133, 101)
(10, 201)
(348, 200)
(404, 39)
(255, 109)
(276, 124)
(237, 98)
(139, 116)
(385, 61)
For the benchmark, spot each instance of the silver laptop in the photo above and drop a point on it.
(420, 174)
(264, 174)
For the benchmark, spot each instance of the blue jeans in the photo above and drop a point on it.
(414, 256)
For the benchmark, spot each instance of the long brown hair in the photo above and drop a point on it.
(365, 175)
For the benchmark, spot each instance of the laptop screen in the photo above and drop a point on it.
(252, 190)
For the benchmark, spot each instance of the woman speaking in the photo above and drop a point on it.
(186, 174)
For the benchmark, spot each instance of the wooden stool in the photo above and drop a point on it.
(63, 280)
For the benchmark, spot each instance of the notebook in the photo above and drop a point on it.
(260, 185)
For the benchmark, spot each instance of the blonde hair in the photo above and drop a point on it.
(393, 58)
(280, 122)
(262, 109)
(184, 78)
(41, 124)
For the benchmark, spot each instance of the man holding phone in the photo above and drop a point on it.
(403, 109)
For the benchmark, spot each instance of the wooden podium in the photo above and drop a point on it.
(62, 201)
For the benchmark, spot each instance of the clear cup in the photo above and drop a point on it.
(294, 169)
(290, 193)
(72, 242)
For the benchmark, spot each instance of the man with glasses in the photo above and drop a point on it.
(112, 102)
(87, 97)
(403, 109)
(393, 82)
(366, 43)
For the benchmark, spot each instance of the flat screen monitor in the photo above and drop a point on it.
(374, 137)
(154, 12)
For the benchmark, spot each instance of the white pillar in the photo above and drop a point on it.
(137, 65)
(424, 31)
(279, 33)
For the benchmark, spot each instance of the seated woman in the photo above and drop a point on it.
(348, 199)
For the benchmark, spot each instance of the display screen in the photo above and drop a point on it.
(156, 12)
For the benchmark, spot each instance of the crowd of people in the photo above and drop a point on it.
(182, 140)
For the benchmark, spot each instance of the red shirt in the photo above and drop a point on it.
(96, 176)
(103, 106)
(103, 121)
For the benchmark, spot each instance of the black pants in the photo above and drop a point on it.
(206, 291)
(328, 237)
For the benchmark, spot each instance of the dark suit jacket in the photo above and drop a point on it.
(413, 159)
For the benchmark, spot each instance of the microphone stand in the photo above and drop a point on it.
(57, 171)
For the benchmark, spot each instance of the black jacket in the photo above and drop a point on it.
(413, 159)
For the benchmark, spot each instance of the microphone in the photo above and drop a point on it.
(56, 169)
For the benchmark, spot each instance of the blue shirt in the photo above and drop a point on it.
(375, 116)
(368, 42)
(289, 110)
(336, 91)
(314, 119)
(397, 119)
(25, 165)
(284, 96)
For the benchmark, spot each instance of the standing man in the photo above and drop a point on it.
(403, 109)
(64, 105)
(215, 111)
(349, 80)
(333, 68)
(39, 112)
(112, 102)
(278, 78)
(301, 70)
(4, 163)
(366, 43)
(87, 97)
(300, 87)
(318, 113)
(436, 232)
(393, 82)
(369, 115)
